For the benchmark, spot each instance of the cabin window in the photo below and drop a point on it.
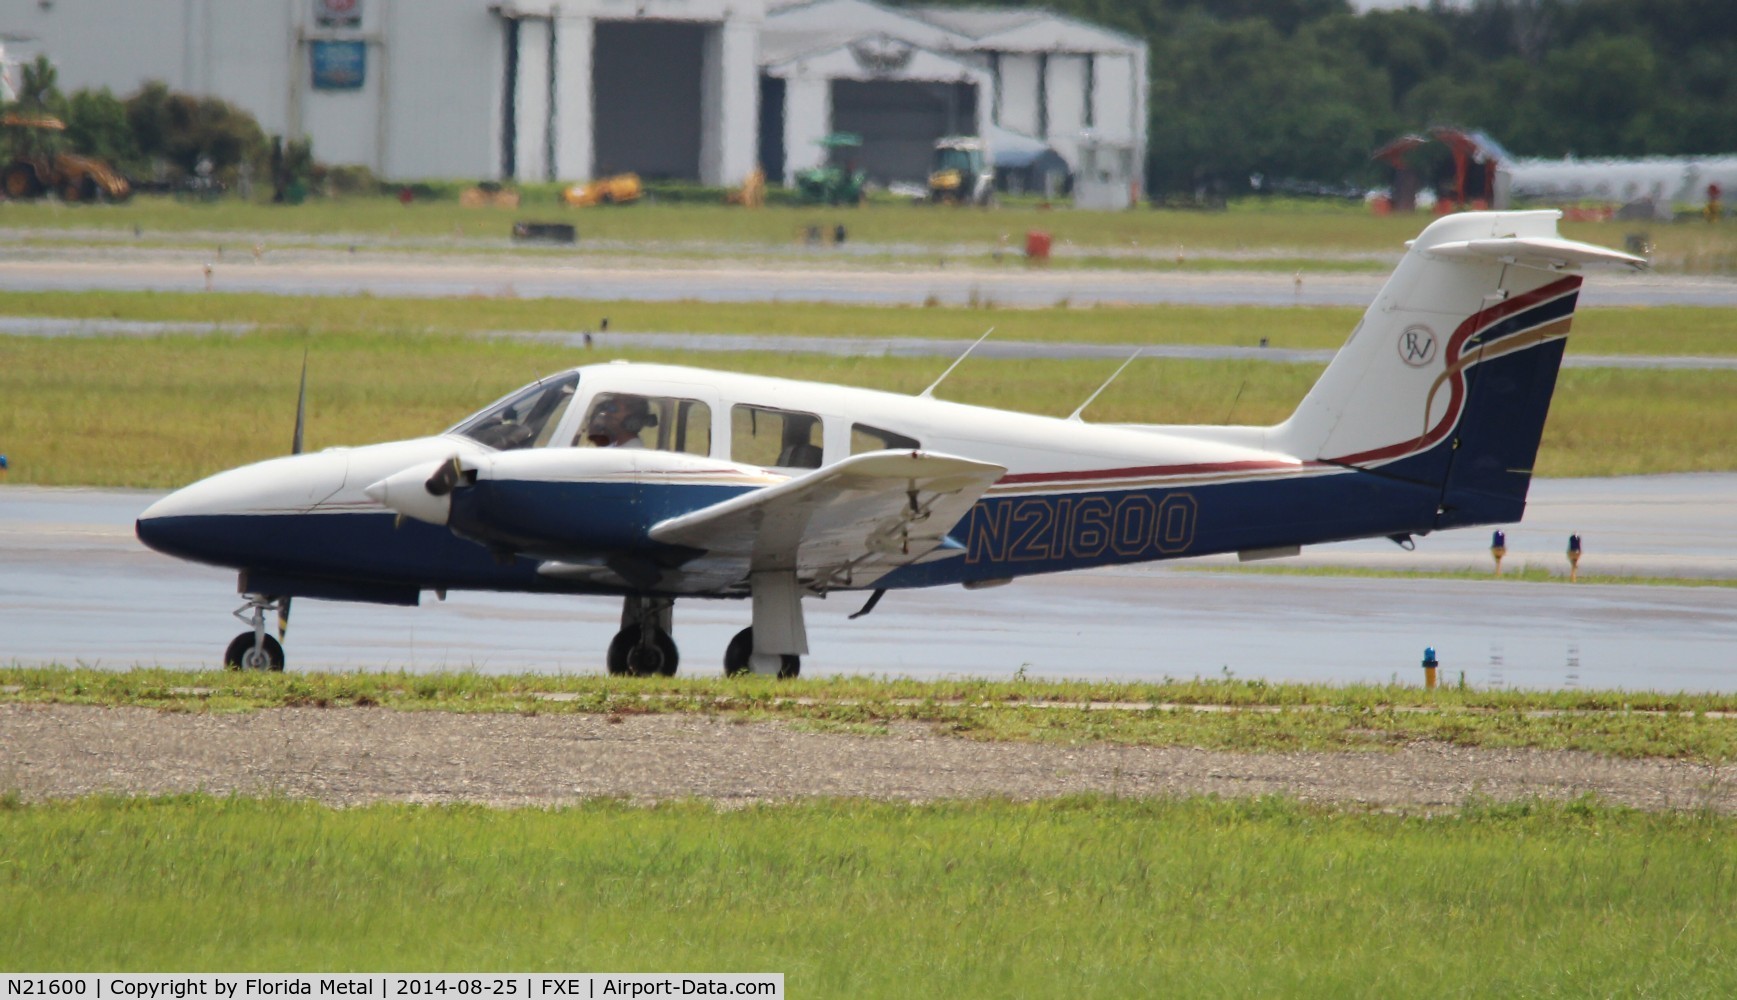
(782, 439)
(660, 423)
(525, 419)
(865, 438)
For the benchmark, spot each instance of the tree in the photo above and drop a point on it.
(38, 98)
(96, 125)
(183, 131)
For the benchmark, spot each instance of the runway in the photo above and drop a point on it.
(76, 587)
(847, 347)
(835, 281)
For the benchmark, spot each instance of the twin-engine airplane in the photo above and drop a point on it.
(653, 483)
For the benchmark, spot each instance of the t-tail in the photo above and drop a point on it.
(1447, 380)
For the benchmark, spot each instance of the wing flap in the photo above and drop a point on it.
(844, 525)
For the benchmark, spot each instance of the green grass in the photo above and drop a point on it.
(1079, 897)
(1652, 331)
(1250, 225)
(1349, 230)
(1268, 717)
(162, 412)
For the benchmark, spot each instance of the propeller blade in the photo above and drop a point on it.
(283, 608)
(444, 478)
(301, 406)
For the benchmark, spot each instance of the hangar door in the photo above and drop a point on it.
(899, 121)
(646, 91)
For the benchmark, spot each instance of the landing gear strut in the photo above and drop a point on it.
(774, 644)
(643, 647)
(255, 649)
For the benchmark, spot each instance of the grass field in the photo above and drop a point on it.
(1253, 224)
(1266, 717)
(1080, 897)
(1657, 331)
(162, 412)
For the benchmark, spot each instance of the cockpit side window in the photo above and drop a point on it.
(865, 438)
(525, 419)
(661, 423)
(770, 438)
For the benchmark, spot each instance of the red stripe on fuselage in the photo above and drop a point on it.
(1197, 469)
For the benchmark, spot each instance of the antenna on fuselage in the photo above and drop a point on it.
(1076, 414)
(930, 391)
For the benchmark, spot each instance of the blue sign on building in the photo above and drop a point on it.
(339, 65)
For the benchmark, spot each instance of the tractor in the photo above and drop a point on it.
(72, 177)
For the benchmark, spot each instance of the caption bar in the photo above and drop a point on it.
(389, 986)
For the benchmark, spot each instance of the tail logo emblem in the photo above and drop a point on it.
(1417, 346)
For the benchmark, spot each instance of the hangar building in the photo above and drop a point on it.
(539, 89)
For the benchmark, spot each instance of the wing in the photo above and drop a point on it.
(845, 525)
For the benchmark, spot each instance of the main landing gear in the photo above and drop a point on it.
(772, 646)
(256, 649)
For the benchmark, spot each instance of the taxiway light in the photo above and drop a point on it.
(1573, 558)
(4, 465)
(1499, 548)
(1429, 666)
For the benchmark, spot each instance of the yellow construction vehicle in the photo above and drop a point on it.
(961, 172)
(616, 190)
(72, 177)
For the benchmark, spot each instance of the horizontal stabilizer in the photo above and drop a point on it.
(844, 525)
(1551, 252)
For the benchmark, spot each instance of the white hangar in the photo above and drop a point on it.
(569, 89)
(902, 77)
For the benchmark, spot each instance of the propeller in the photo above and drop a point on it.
(283, 605)
(444, 478)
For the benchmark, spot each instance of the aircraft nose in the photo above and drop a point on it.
(174, 525)
(215, 519)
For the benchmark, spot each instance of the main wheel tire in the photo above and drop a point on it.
(738, 657)
(736, 654)
(20, 181)
(241, 654)
(627, 656)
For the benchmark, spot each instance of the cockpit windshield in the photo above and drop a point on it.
(525, 419)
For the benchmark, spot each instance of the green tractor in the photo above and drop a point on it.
(834, 182)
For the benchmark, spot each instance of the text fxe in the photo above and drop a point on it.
(588, 985)
(655, 483)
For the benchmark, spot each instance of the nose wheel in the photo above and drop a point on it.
(643, 647)
(256, 649)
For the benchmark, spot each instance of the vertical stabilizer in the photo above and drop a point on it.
(1448, 378)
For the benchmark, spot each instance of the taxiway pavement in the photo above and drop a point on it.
(77, 587)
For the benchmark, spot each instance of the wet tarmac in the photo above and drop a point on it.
(854, 347)
(326, 273)
(76, 587)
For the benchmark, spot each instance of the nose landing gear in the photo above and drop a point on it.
(256, 649)
(643, 647)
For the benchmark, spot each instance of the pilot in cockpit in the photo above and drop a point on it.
(616, 420)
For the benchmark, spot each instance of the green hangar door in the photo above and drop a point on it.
(899, 121)
(646, 98)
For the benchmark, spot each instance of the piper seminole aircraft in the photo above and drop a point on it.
(652, 483)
